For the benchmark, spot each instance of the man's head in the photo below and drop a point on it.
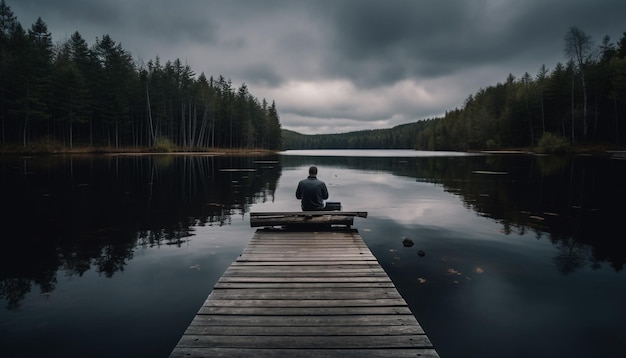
(313, 170)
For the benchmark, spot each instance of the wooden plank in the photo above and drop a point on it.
(298, 258)
(301, 276)
(288, 285)
(324, 322)
(304, 311)
(295, 264)
(307, 303)
(294, 246)
(327, 279)
(301, 331)
(315, 294)
(306, 342)
(303, 271)
(337, 253)
(312, 220)
(362, 214)
(191, 352)
(307, 218)
(343, 234)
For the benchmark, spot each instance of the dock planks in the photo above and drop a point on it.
(304, 294)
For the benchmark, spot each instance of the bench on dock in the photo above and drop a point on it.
(305, 218)
(304, 294)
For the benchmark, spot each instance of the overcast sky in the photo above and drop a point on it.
(335, 65)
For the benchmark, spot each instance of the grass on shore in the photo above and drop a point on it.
(54, 148)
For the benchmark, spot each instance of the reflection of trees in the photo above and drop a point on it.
(113, 258)
(572, 255)
(570, 200)
(78, 213)
(14, 290)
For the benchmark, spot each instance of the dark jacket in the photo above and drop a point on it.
(313, 192)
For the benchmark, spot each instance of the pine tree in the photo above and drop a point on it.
(275, 139)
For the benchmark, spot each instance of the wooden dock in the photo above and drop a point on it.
(305, 294)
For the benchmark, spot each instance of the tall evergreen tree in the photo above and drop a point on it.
(275, 139)
(114, 79)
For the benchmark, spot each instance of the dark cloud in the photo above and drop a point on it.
(342, 63)
(380, 42)
(262, 74)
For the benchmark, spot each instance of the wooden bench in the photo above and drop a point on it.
(305, 218)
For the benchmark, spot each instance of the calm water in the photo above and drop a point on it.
(111, 256)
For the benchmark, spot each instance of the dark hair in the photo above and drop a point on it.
(313, 170)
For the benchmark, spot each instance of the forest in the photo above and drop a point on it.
(72, 94)
(580, 103)
(399, 137)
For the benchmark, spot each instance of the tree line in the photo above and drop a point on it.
(581, 102)
(399, 137)
(75, 94)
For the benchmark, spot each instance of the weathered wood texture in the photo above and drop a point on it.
(305, 294)
(305, 218)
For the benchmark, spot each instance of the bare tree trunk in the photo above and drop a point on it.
(616, 120)
(203, 127)
(152, 134)
(182, 124)
(25, 129)
(543, 115)
(585, 125)
(573, 112)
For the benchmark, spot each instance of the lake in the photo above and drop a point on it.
(112, 255)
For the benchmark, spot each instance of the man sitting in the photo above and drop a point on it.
(312, 191)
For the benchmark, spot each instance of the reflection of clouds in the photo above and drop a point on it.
(400, 199)
(377, 178)
(384, 196)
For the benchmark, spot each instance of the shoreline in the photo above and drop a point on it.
(136, 151)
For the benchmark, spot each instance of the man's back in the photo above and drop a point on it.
(312, 192)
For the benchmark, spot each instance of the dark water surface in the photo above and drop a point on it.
(111, 256)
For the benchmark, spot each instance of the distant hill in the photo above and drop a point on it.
(399, 137)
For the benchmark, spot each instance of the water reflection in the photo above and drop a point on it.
(78, 213)
(524, 247)
(571, 201)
